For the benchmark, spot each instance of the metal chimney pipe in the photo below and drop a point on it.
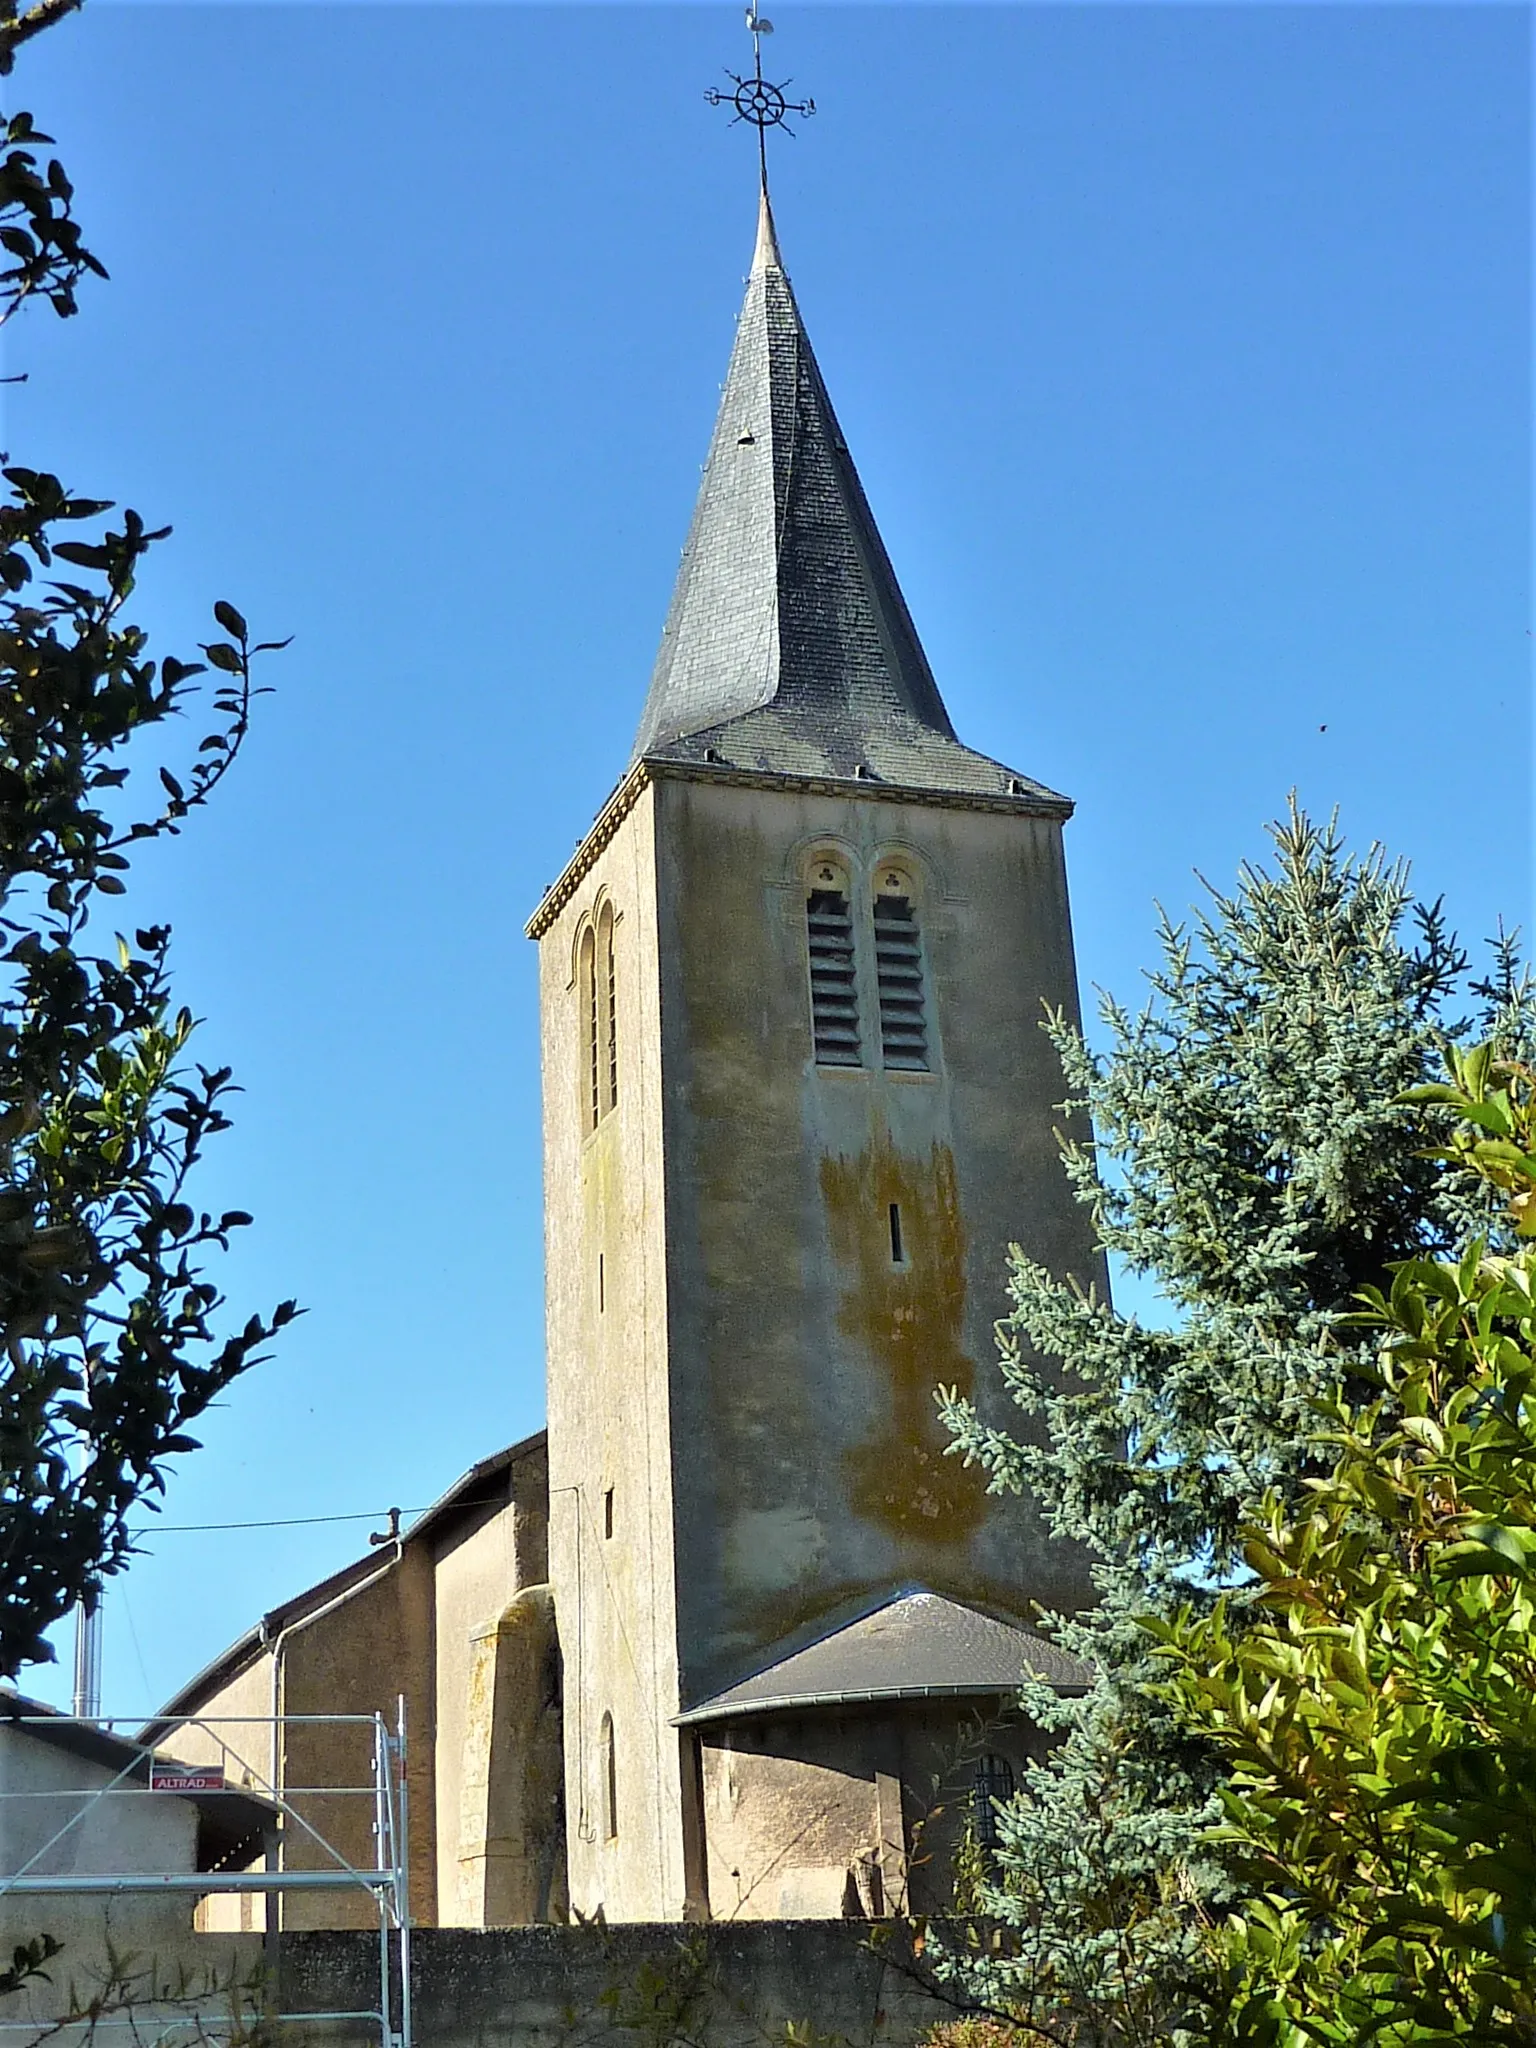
(88, 1659)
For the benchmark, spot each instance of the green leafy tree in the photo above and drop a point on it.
(1257, 1166)
(110, 1329)
(1376, 1709)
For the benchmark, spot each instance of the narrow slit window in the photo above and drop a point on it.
(587, 990)
(610, 998)
(898, 1255)
(608, 1513)
(899, 975)
(608, 1779)
(602, 1287)
(834, 985)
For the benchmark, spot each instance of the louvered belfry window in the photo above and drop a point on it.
(899, 975)
(834, 979)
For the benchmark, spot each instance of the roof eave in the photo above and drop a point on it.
(130, 1756)
(713, 1712)
(245, 1649)
(657, 767)
(1034, 803)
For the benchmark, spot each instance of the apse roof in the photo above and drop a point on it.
(918, 1646)
(788, 648)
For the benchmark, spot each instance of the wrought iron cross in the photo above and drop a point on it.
(758, 99)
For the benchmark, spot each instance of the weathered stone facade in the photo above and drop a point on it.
(741, 1374)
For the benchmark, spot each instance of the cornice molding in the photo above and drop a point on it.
(604, 825)
(644, 772)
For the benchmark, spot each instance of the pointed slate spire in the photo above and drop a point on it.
(766, 254)
(788, 647)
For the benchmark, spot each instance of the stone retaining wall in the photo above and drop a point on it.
(722, 1986)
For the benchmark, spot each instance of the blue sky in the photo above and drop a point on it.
(1183, 351)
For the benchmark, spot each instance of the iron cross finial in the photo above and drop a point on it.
(758, 99)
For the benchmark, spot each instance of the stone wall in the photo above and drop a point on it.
(442, 1619)
(759, 1268)
(721, 1986)
(610, 1432)
(810, 1475)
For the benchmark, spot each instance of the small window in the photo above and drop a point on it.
(608, 1512)
(608, 1779)
(898, 1248)
(834, 985)
(899, 974)
(587, 996)
(993, 1788)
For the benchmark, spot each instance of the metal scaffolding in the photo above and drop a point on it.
(386, 1880)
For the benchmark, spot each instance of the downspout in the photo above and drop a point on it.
(278, 1644)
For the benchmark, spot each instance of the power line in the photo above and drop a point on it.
(291, 1522)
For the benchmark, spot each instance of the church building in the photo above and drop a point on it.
(797, 1105)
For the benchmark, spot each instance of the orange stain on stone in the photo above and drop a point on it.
(908, 1319)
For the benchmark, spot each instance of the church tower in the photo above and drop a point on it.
(797, 1104)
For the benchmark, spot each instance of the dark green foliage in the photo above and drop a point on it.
(29, 1963)
(1377, 1708)
(41, 252)
(1257, 1165)
(108, 1339)
(19, 25)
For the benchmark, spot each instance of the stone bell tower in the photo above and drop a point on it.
(797, 1105)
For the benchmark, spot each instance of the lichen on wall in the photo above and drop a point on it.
(907, 1318)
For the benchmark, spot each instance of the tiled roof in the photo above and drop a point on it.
(483, 1485)
(788, 647)
(917, 1646)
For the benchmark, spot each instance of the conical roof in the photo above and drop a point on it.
(788, 647)
(917, 1645)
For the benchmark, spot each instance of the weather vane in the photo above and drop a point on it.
(758, 99)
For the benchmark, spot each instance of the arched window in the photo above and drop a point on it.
(608, 997)
(899, 974)
(993, 1788)
(586, 995)
(608, 1779)
(597, 994)
(834, 971)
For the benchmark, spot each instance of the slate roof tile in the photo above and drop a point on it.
(918, 1645)
(788, 646)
